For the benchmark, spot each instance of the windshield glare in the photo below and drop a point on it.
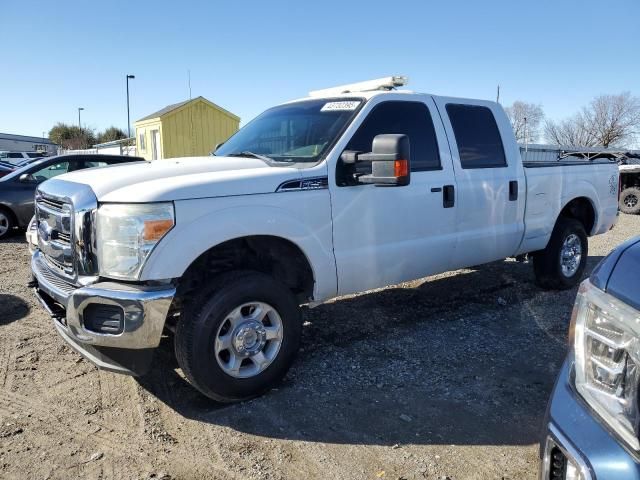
(296, 132)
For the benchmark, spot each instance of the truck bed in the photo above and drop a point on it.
(551, 185)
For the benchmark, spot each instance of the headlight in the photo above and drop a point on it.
(607, 348)
(126, 234)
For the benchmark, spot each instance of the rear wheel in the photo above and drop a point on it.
(6, 222)
(561, 265)
(630, 200)
(237, 338)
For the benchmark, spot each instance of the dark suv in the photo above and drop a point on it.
(17, 189)
(593, 421)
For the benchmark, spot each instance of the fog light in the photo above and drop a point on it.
(561, 467)
(561, 462)
(104, 319)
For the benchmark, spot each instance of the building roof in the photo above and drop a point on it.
(26, 138)
(113, 143)
(175, 106)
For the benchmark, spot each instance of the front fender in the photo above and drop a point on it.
(303, 218)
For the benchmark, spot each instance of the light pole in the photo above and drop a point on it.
(128, 119)
(79, 110)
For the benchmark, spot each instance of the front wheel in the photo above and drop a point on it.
(6, 223)
(630, 200)
(561, 264)
(237, 338)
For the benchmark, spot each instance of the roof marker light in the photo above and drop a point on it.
(386, 83)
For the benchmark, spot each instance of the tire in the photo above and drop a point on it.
(548, 263)
(6, 222)
(213, 320)
(630, 200)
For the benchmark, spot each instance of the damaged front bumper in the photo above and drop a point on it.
(117, 326)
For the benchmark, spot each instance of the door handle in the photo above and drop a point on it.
(513, 190)
(448, 196)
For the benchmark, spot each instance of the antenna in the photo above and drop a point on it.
(498, 95)
(189, 81)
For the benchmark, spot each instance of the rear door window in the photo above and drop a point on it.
(477, 136)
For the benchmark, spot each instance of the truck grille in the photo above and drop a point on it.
(51, 203)
(55, 233)
(56, 281)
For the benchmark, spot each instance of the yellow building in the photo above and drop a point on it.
(185, 129)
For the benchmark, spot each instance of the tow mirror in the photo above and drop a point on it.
(390, 160)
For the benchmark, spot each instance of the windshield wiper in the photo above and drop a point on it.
(249, 154)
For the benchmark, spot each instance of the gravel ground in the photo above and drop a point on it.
(445, 377)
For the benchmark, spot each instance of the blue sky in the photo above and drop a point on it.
(249, 55)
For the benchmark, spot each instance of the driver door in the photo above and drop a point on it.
(386, 235)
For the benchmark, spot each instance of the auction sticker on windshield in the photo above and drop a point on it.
(340, 106)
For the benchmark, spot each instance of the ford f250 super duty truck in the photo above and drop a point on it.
(350, 189)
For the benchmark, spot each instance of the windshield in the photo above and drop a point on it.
(296, 132)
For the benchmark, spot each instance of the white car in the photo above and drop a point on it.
(350, 189)
(17, 159)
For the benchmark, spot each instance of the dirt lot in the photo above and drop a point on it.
(445, 377)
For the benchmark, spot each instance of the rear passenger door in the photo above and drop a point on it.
(385, 235)
(490, 181)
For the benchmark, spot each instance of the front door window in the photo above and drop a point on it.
(50, 171)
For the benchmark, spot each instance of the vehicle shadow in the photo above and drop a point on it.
(468, 357)
(12, 308)
(17, 236)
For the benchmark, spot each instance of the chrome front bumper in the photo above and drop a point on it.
(145, 309)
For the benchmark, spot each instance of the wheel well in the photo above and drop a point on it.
(275, 256)
(582, 210)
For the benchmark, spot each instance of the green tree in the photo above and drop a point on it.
(111, 134)
(72, 137)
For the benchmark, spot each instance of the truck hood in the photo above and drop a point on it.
(182, 178)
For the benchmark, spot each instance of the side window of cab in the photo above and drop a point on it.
(409, 118)
(477, 136)
(50, 171)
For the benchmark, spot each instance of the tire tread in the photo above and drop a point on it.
(545, 262)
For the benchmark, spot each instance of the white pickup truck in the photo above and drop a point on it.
(347, 190)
